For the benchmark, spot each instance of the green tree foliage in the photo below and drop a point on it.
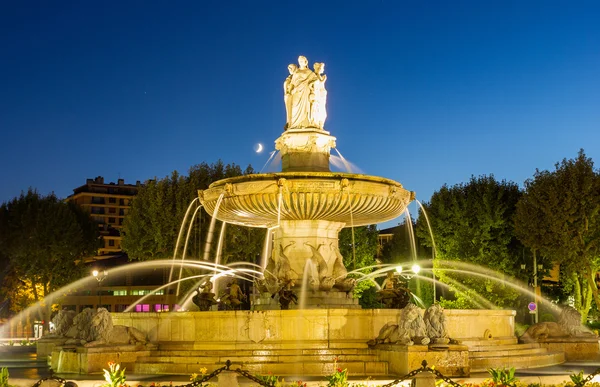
(361, 256)
(400, 248)
(43, 241)
(152, 225)
(472, 223)
(558, 218)
(365, 246)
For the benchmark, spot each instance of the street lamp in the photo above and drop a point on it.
(536, 267)
(100, 276)
(415, 269)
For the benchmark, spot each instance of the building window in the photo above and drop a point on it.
(161, 308)
(121, 222)
(121, 307)
(97, 210)
(140, 292)
(97, 200)
(112, 200)
(119, 292)
(111, 220)
(121, 202)
(142, 308)
(111, 242)
(112, 210)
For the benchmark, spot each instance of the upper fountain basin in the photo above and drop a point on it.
(353, 199)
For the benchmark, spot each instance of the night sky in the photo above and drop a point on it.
(422, 92)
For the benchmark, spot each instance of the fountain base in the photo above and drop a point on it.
(310, 300)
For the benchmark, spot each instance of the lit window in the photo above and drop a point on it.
(142, 308)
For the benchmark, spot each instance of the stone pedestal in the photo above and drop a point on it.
(45, 345)
(82, 360)
(574, 348)
(424, 379)
(450, 360)
(309, 300)
(304, 246)
(305, 150)
(227, 379)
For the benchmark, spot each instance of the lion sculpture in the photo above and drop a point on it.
(62, 322)
(104, 332)
(80, 331)
(94, 328)
(568, 325)
(409, 330)
(435, 323)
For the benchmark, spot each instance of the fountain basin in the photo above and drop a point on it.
(297, 343)
(308, 210)
(351, 199)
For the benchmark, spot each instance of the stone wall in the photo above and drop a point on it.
(300, 328)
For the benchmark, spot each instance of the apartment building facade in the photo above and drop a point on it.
(107, 204)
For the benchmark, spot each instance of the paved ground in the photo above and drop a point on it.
(25, 369)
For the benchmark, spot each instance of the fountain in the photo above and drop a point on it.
(305, 206)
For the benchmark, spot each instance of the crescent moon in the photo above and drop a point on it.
(259, 148)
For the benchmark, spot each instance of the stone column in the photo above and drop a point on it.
(306, 242)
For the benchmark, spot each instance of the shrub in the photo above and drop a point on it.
(114, 376)
(4, 377)
(503, 376)
(339, 377)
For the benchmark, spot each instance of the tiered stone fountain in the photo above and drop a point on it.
(306, 205)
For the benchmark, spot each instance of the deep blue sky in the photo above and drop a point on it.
(422, 92)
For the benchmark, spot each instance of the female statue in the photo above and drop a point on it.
(287, 94)
(318, 112)
(300, 91)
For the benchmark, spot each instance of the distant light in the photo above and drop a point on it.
(258, 147)
(416, 268)
(95, 273)
(399, 269)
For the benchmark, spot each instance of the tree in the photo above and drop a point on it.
(558, 217)
(472, 223)
(403, 247)
(152, 225)
(359, 251)
(44, 241)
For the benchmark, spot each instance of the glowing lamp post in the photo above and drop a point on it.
(415, 269)
(100, 276)
(534, 310)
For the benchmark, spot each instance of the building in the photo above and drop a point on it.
(107, 204)
(384, 237)
(117, 287)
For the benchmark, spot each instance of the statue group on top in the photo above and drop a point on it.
(305, 95)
